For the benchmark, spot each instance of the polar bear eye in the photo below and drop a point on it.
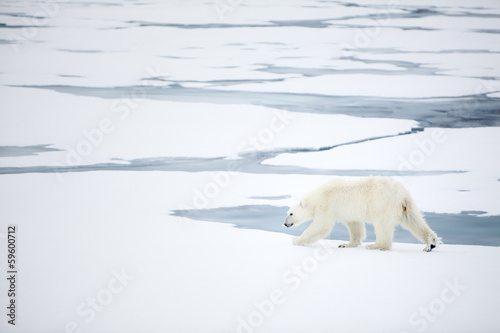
(291, 214)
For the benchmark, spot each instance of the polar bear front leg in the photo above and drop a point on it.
(313, 233)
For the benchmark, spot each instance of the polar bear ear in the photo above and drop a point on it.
(302, 203)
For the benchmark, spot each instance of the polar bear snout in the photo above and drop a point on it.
(288, 223)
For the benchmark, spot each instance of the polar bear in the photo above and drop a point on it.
(378, 200)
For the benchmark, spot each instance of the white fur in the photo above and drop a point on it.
(378, 200)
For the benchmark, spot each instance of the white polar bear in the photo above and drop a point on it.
(378, 200)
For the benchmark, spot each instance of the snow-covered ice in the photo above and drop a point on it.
(148, 150)
(186, 275)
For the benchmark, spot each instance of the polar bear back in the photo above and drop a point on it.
(363, 200)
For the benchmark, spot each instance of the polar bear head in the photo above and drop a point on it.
(298, 213)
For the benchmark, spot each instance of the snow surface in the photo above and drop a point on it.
(116, 114)
(194, 276)
(373, 85)
(153, 128)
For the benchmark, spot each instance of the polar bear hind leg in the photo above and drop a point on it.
(422, 232)
(357, 233)
(415, 223)
(384, 232)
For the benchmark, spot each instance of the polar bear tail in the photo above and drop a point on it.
(414, 221)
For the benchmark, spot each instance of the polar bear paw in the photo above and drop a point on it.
(380, 247)
(429, 247)
(348, 245)
(297, 241)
